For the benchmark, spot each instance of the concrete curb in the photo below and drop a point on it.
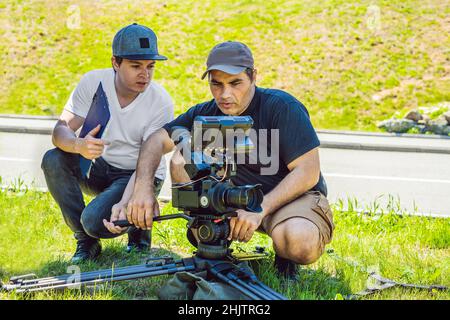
(25, 116)
(27, 124)
(20, 129)
(351, 140)
(385, 134)
(385, 147)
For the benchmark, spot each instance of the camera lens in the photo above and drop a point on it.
(225, 197)
(244, 197)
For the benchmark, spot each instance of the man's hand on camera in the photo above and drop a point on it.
(142, 207)
(118, 212)
(90, 147)
(244, 225)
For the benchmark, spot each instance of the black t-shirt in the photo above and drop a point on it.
(269, 109)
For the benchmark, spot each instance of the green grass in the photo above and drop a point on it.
(411, 249)
(348, 72)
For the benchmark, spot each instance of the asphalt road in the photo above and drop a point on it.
(416, 181)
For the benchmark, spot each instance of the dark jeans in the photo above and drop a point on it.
(107, 183)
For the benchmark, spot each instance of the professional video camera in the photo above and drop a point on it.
(208, 201)
(211, 198)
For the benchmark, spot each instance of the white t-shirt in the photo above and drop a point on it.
(128, 127)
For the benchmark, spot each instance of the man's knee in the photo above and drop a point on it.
(91, 225)
(49, 160)
(304, 252)
(92, 222)
(299, 240)
(52, 161)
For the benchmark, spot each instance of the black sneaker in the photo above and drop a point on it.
(286, 268)
(138, 240)
(137, 247)
(87, 250)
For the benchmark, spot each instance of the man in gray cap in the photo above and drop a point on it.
(138, 107)
(296, 213)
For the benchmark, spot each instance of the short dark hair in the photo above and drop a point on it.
(250, 73)
(118, 60)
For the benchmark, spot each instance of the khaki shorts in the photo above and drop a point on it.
(311, 205)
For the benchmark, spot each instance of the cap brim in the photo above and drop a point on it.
(225, 68)
(144, 57)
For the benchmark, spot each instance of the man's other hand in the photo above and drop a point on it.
(118, 212)
(244, 225)
(142, 207)
(90, 147)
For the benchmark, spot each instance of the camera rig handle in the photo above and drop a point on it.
(126, 223)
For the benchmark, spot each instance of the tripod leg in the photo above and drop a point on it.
(278, 295)
(82, 277)
(242, 280)
(237, 286)
(108, 275)
(29, 280)
(250, 284)
(255, 283)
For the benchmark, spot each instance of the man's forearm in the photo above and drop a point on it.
(128, 189)
(297, 182)
(150, 158)
(65, 139)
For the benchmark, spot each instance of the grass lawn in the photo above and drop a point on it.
(351, 63)
(34, 238)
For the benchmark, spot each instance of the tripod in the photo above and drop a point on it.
(219, 264)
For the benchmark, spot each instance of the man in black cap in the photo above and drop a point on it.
(296, 213)
(138, 107)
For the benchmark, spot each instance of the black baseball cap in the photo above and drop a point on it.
(136, 42)
(231, 57)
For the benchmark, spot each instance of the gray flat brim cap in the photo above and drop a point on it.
(225, 68)
(231, 57)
